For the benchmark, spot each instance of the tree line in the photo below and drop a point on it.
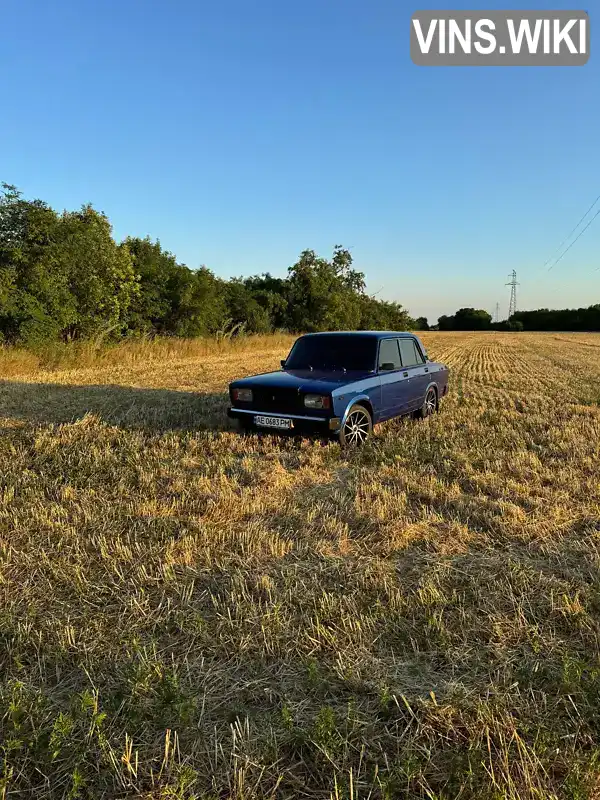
(63, 277)
(543, 319)
(566, 319)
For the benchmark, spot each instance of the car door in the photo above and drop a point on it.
(394, 388)
(414, 364)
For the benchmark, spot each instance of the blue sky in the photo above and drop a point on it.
(240, 133)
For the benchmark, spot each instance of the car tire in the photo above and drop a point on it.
(430, 404)
(357, 427)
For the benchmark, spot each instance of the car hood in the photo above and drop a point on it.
(308, 380)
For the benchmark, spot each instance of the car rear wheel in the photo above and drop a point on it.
(357, 428)
(430, 404)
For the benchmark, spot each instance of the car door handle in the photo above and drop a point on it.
(406, 374)
(426, 369)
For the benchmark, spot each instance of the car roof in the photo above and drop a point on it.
(368, 334)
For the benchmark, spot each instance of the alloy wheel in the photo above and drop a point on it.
(358, 427)
(430, 403)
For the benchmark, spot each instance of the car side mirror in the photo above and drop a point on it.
(283, 362)
(387, 366)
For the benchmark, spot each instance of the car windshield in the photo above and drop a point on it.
(333, 352)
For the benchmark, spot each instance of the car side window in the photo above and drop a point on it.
(388, 354)
(409, 353)
(421, 356)
(419, 353)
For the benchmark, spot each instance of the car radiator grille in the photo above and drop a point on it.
(282, 401)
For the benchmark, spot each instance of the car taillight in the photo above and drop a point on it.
(317, 401)
(243, 395)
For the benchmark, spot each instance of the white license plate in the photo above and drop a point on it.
(273, 422)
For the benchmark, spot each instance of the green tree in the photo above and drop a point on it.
(198, 302)
(273, 295)
(154, 268)
(351, 279)
(466, 319)
(472, 319)
(446, 323)
(173, 299)
(36, 300)
(100, 272)
(381, 315)
(325, 295)
(244, 310)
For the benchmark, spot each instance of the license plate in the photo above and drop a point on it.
(273, 422)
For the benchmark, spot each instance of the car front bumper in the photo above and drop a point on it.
(300, 424)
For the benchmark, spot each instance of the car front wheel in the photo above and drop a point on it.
(357, 428)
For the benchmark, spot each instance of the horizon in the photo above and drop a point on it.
(486, 173)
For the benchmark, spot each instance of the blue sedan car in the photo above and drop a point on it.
(342, 384)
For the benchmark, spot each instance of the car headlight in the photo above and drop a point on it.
(317, 401)
(243, 395)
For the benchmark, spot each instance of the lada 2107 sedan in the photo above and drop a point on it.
(341, 384)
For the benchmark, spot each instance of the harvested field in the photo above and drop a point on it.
(190, 613)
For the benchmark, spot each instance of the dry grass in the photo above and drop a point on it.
(186, 612)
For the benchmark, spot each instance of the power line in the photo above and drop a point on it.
(566, 239)
(581, 232)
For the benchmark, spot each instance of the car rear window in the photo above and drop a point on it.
(333, 352)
